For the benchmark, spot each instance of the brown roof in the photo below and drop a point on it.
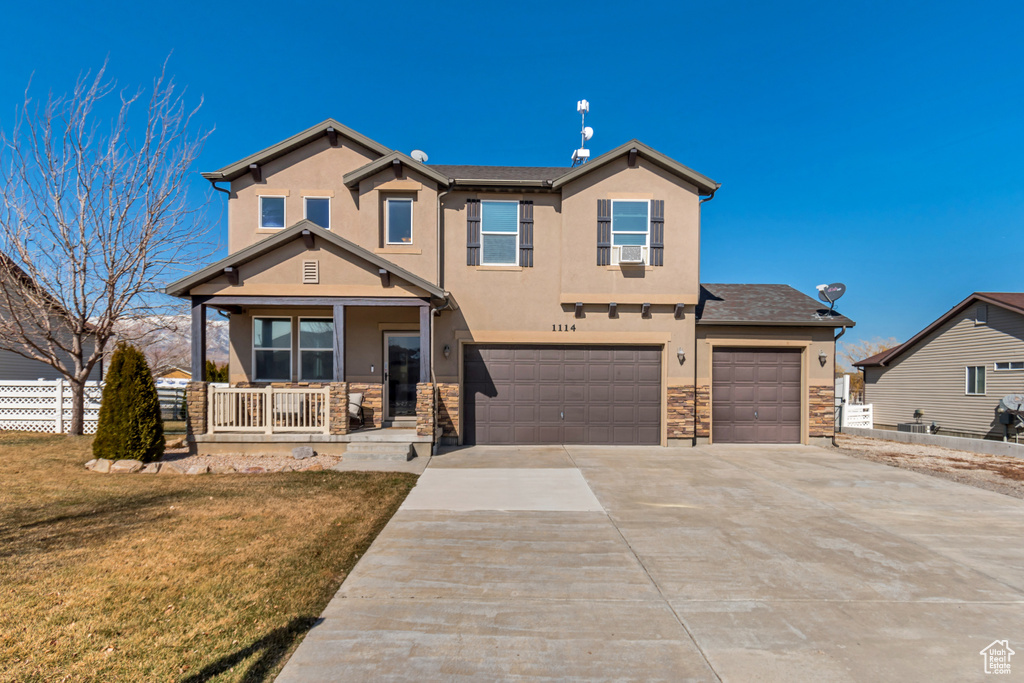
(1013, 301)
(731, 304)
(539, 173)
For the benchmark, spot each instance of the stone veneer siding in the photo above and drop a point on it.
(448, 410)
(703, 410)
(822, 408)
(196, 405)
(373, 401)
(681, 411)
(338, 408)
(425, 409)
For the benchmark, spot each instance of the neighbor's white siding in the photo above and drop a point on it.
(930, 376)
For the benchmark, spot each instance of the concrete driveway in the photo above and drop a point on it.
(714, 563)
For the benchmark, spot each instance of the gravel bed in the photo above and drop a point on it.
(999, 473)
(241, 462)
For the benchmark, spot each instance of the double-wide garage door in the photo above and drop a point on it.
(525, 394)
(755, 396)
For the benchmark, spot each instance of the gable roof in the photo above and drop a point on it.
(735, 304)
(1012, 301)
(704, 184)
(240, 168)
(181, 287)
(352, 178)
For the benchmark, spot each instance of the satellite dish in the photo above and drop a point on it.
(419, 155)
(1013, 402)
(588, 132)
(831, 293)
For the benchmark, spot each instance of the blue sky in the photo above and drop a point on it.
(877, 144)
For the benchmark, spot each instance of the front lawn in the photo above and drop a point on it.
(131, 577)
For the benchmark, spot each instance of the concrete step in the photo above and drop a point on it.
(379, 450)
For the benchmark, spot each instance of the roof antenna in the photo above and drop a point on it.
(830, 294)
(580, 156)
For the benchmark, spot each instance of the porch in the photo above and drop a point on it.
(297, 363)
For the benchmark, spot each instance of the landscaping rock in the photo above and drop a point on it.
(101, 465)
(175, 443)
(198, 469)
(221, 469)
(89, 465)
(253, 470)
(125, 466)
(303, 452)
(151, 468)
(314, 468)
(171, 468)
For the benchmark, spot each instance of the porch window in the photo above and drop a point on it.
(271, 212)
(399, 221)
(316, 349)
(499, 231)
(272, 349)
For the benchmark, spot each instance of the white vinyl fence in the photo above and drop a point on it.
(45, 406)
(859, 416)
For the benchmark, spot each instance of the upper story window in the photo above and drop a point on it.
(398, 221)
(499, 233)
(318, 210)
(631, 227)
(1010, 365)
(272, 349)
(271, 212)
(975, 380)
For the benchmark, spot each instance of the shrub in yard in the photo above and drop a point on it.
(130, 426)
(216, 373)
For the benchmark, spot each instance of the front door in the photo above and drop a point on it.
(401, 373)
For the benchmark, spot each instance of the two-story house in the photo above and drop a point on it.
(491, 305)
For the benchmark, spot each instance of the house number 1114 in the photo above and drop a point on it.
(563, 328)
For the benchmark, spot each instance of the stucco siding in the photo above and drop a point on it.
(931, 376)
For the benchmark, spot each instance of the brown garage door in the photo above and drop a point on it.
(515, 394)
(755, 396)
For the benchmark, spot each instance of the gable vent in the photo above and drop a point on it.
(311, 272)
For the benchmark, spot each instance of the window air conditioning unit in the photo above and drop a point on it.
(631, 254)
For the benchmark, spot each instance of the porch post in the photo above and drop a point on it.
(339, 343)
(425, 350)
(198, 339)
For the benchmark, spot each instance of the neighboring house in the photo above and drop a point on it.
(15, 367)
(956, 370)
(174, 373)
(494, 305)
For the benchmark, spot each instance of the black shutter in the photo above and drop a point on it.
(657, 232)
(604, 232)
(526, 234)
(472, 232)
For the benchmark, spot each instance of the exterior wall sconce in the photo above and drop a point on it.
(681, 355)
(579, 309)
(447, 352)
(613, 310)
(822, 358)
(645, 311)
(680, 311)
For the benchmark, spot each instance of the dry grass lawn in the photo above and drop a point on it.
(167, 577)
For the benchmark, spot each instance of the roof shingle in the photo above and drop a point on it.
(742, 304)
(539, 173)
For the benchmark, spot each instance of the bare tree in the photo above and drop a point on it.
(93, 217)
(852, 351)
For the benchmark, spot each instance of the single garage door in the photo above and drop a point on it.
(516, 394)
(755, 396)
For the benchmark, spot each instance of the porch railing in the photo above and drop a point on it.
(269, 410)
